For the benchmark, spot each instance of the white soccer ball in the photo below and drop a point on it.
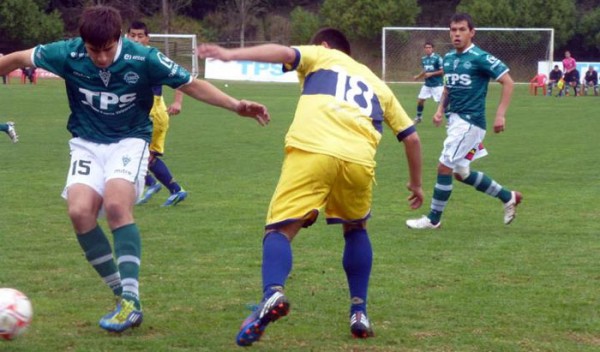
(15, 313)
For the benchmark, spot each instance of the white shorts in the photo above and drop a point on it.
(93, 164)
(431, 92)
(463, 144)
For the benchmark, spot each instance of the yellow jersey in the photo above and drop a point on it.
(342, 107)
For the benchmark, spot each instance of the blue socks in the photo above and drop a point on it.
(357, 262)
(162, 173)
(277, 262)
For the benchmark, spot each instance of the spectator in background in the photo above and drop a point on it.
(573, 81)
(553, 77)
(569, 65)
(3, 76)
(590, 80)
(29, 72)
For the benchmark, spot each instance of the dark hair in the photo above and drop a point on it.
(100, 25)
(333, 37)
(138, 25)
(428, 43)
(463, 16)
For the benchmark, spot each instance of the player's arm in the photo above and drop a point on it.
(206, 92)
(434, 73)
(13, 61)
(419, 76)
(412, 148)
(505, 96)
(273, 53)
(441, 109)
(175, 107)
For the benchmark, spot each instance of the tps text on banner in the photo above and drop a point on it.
(247, 71)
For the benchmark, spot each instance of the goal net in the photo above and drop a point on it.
(180, 48)
(520, 48)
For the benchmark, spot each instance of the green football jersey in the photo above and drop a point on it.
(432, 63)
(467, 76)
(108, 105)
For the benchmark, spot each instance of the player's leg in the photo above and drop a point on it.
(424, 94)
(119, 198)
(457, 146)
(82, 192)
(479, 180)
(357, 261)
(295, 203)
(349, 203)
(152, 186)
(9, 129)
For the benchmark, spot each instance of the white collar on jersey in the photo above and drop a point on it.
(119, 49)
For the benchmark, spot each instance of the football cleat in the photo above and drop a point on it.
(268, 311)
(175, 198)
(422, 224)
(510, 207)
(12, 133)
(360, 327)
(150, 191)
(125, 316)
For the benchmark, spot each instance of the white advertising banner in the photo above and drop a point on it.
(247, 71)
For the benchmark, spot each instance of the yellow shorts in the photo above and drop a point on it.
(310, 182)
(160, 125)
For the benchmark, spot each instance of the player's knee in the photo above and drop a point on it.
(461, 172)
(355, 226)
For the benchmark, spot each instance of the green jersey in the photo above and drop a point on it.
(466, 76)
(432, 63)
(108, 105)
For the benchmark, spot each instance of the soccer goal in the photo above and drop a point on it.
(520, 48)
(180, 48)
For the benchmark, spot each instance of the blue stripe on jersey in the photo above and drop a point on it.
(356, 92)
(157, 91)
(407, 132)
(294, 65)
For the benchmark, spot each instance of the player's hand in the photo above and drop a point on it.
(416, 196)
(213, 51)
(174, 109)
(254, 110)
(438, 117)
(499, 123)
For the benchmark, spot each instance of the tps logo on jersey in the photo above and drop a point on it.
(453, 79)
(131, 77)
(104, 101)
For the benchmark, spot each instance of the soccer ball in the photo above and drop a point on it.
(15, 313)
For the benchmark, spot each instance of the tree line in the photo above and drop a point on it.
(24, 23)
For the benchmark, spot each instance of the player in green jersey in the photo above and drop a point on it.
(434, 83)
(109, 82)
(467, 71)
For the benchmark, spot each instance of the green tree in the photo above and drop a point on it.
(589, 29)
(558, 14)
(364, 18)
(24, 23)
(304, 24)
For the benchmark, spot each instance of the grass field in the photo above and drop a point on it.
(474, 285)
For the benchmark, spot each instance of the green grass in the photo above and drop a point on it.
(474, 285)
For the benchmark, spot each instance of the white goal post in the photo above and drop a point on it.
(520, 48)
(180, 48)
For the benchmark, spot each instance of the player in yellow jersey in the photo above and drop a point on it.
(138, 32)
(329, 164)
